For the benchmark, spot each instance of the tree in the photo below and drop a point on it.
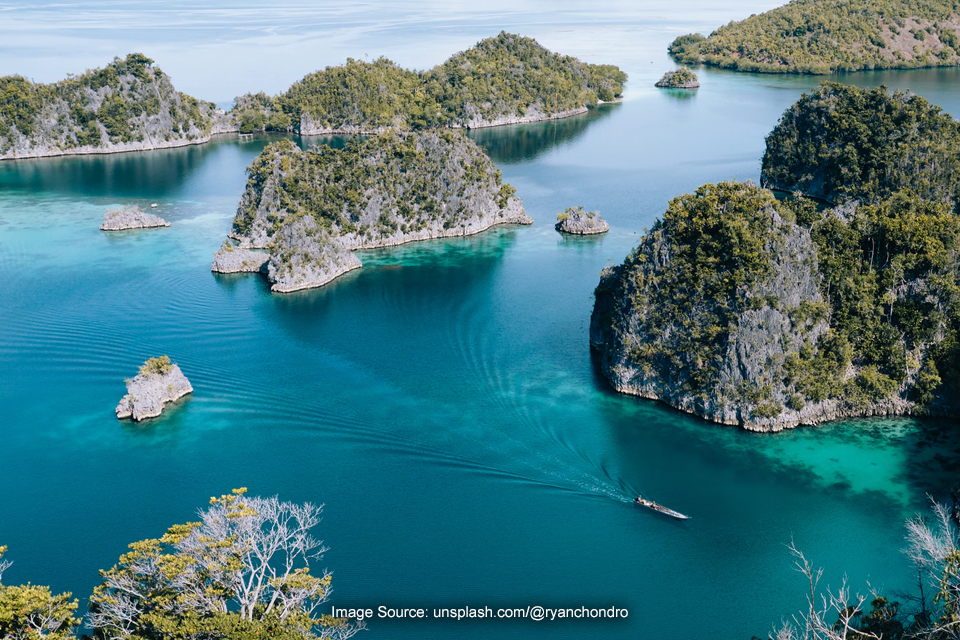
(29, 612)
(242, 570)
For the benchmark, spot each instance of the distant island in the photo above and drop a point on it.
(131, 105)
(842, 300)
(506, 79)
(825, 36)
(128, 105)
(308, 210)
(681, 78)
(130, 217)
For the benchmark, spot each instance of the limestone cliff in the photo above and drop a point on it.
(727, 309)
(309, 209)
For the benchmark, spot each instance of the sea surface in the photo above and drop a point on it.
(442, 402)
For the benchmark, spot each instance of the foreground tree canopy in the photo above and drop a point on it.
(501, 79)
(127, 104)
(932, 612)
(765, 313)
(824, 36)
(241, 572)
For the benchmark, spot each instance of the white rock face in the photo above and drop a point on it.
(232, 259)
(576, 221)
(130, 218)
(149, 391)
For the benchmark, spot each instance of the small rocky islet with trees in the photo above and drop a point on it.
(682, 78)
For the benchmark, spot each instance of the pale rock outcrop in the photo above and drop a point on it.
(576, 221)
(238, 259)
(130, 217)
(159, 382)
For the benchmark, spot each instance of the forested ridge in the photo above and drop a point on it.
(504, 78)
(825, 36)
(129, 103)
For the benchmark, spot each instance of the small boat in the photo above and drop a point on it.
(153, 206)
(659, 508)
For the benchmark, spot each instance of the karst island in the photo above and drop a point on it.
(842, 300)
(304, 212)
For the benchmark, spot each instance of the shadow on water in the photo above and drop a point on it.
(681, 95)
(138, 174)
(522, 142)
(418, 268)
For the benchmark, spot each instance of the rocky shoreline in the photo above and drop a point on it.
(481, 123)
(238, 259)
(159, 382)
(124, 147)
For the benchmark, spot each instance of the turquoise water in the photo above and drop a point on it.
(442, 401)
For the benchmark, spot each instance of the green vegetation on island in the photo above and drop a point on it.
(681, 78)
(765, 313)
(310, 208)
(504, 79)
(825, 36)
(840, 142)
(241, 572)
(129, 104)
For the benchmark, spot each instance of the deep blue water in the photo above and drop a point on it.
(442, 401)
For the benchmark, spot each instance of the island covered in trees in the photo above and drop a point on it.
(681, 78)
(501, 80)
(307, 210)
(127, 105)
(841, 300)
(825, 36)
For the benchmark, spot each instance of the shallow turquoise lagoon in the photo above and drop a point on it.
(442, 401)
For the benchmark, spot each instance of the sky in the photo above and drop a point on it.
(216, 51)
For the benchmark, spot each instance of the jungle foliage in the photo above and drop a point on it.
(840, 142)
(677, 77)
(503, 76)
(373, 186)
(825, 36)
(874, 178)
